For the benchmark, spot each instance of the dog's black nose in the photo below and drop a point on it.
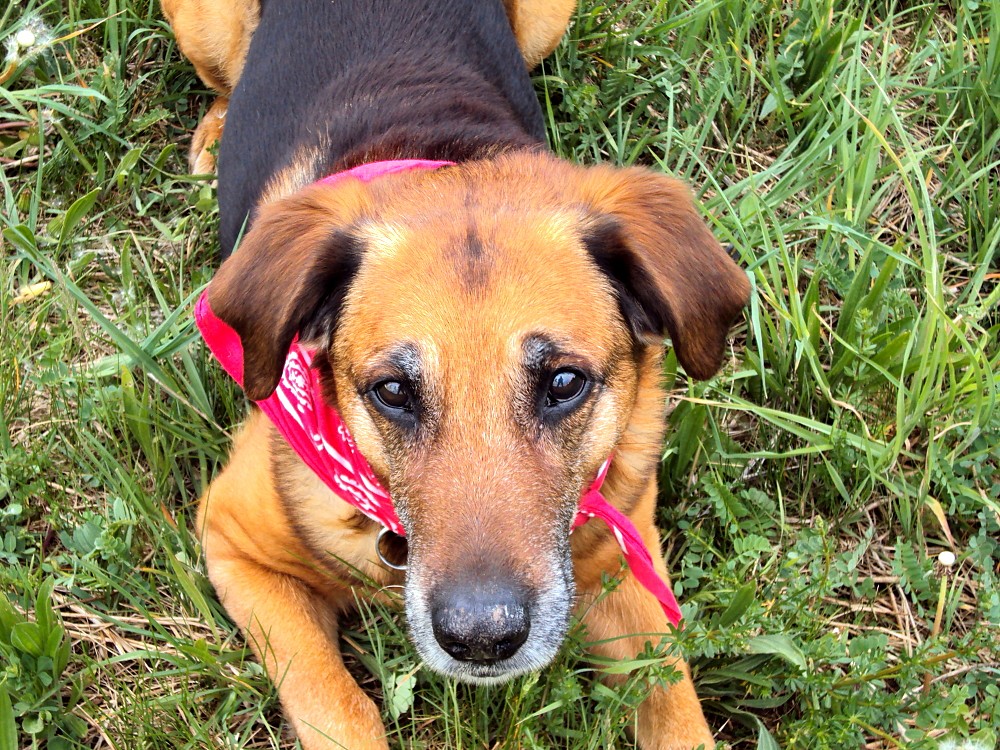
(480, 623)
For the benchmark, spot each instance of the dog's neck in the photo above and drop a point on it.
(412, 118)
(390, 81)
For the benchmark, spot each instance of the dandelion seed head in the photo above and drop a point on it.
(29, 40)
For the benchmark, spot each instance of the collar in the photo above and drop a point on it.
(319, 436)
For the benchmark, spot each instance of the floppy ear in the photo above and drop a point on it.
(289, 273)
(670, 274)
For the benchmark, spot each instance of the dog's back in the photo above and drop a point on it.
(330, 85)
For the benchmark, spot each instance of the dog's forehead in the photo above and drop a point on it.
(481, 275)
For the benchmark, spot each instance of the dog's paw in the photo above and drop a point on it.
(204, 142)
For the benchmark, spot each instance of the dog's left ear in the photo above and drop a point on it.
(670, 274)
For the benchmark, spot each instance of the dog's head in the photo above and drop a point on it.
(488, 330)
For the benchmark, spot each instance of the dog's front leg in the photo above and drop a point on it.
(671, 717)
(294, 634)
(283, 602)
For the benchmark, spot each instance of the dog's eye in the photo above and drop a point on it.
(393, 394)
(565, 385)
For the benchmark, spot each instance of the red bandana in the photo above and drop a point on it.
(321, 439)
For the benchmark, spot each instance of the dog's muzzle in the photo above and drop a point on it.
(473, 621)
(484, 624)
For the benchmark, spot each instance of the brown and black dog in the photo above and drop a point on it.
(490, 333)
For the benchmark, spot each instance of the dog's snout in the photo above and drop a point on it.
(480, 623)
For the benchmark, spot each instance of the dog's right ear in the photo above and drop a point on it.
(292, 268)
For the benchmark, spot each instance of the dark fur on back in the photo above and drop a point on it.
(363, 80)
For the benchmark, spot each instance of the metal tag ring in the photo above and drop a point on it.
(378, 551)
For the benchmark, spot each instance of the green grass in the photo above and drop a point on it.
(850, 152)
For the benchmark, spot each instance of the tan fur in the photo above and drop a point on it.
(282, 588)
(215, 36)
(539, 25)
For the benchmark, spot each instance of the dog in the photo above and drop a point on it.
(489, 328)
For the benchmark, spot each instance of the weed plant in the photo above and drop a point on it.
(851, 154)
